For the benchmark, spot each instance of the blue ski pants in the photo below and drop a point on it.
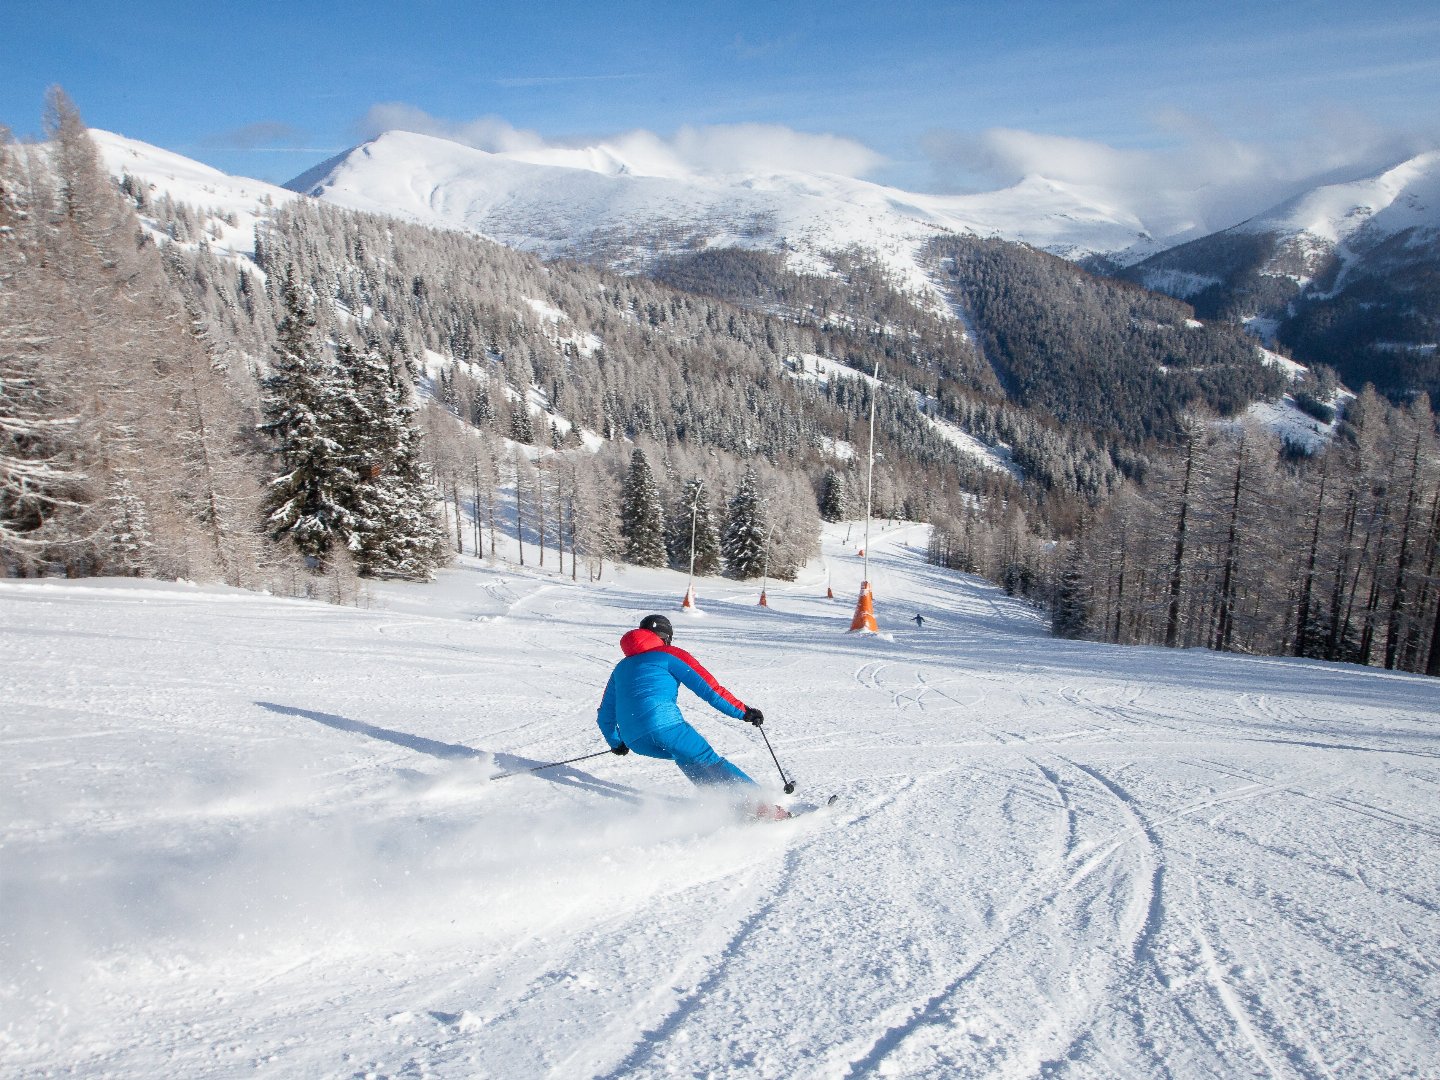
(685, 746)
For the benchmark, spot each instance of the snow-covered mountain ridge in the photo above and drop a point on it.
(1342, 274)
(228, 209)
(1316, 237)
(1398, 199)
(624, 205)
(628, 207)
(597, 203)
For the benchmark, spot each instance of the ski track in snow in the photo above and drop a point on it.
(252, 836)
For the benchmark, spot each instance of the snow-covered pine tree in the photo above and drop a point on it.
(746, 531)
(131, 544)
(393, 500)
(834, 497)
(449, 390)
(642, 517)
(1071, 611)
(707, 541)
(522, 426)
(418, 544)
(306, 503)
(482, 413)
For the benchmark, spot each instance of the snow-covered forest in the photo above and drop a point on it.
(285, 343)
(1334, 557)
(281, 394)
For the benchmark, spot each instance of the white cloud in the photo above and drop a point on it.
(712, 150)
(758, 147)
(486, 133)
(1202, 179)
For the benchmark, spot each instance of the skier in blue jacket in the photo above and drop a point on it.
(639, 710)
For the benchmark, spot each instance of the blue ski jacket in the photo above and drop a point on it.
(641, 696)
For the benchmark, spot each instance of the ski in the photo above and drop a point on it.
(803, 809)
(781, 813)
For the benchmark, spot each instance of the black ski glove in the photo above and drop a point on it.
(754, 716)
(620, 750)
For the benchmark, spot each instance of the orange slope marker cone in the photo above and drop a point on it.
(865, 612)
(688, 604)
(763, 601)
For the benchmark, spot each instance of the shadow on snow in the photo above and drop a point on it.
(565, 775)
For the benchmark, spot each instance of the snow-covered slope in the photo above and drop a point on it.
(1406, 196)
(229, 208)
(246, 835)
(1315, 239)
(229, 205)
(601, 202)
(1343, 275)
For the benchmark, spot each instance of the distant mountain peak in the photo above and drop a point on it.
(627, 204)
(1405, 195)
(1341, 274)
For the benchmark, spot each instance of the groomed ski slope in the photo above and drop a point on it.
(246, 836)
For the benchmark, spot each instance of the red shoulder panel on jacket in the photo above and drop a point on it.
(681, 654)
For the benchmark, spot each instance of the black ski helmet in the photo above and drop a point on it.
(658, 625)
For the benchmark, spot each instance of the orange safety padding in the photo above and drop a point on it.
(865, 611)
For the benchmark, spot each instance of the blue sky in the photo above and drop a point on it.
(952, 96)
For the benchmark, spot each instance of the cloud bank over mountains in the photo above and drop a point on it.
(716, 150)
(1202, 180)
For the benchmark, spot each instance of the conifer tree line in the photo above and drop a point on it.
(121, 440)
(133, 443)
(1239, 543)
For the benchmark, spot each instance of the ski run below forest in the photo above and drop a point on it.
(252, 836)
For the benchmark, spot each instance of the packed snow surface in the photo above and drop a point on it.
(253, 836)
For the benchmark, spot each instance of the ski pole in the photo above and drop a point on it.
(789, 784)
(552, 764)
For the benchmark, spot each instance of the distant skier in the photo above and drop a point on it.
(639, 710)
(919, 620)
